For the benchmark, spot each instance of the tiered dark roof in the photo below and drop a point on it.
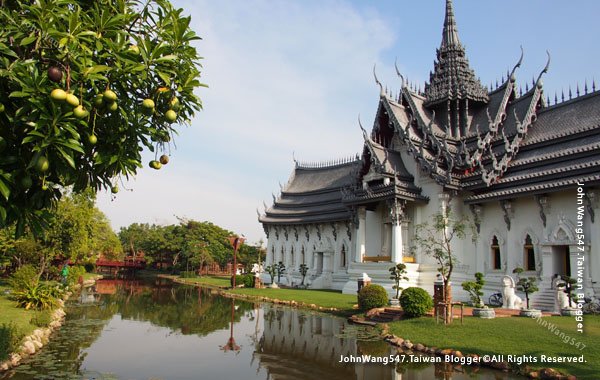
(313, 195)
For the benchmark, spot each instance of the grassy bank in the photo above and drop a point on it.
(512, 336)
(327, 299)
(10, 313)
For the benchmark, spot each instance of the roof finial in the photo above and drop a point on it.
(585, 87)
(577, 89)
(570, 93)
(366, 137)
(450, 34)
(381, 93)
(398, 72)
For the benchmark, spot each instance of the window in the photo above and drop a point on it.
(529, 254)
(302, 256)
(343, 257)
(292, 257)
(496, 257)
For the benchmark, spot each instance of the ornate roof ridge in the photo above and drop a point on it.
(343, 161)
(554, 184)
(571, 100)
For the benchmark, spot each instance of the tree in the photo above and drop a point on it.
(398, 273)
(85, 86)
(303, 272)
(567, 284)
(434, 239)
(474, 289)
(271, 270)
(280, 268)
(77, 231)
(527, 285)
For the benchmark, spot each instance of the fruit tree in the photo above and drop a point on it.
(85, 86)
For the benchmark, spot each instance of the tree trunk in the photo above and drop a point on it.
(448, 302)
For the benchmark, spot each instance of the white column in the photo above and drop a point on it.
(396, 217)
(397, 245)
(361, 235)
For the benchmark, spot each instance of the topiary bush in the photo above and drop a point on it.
(415, 302)
(243, 279)
(372, 296)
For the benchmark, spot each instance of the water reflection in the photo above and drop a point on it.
(153, 330)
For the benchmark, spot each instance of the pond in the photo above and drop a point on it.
(154, 329)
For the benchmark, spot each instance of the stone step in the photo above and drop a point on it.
(393, 310)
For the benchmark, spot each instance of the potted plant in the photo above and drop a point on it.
(474, 289)
(567, 283)
(528, 286)
(397, 273)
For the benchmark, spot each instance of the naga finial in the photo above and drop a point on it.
(398, 72)
(364, 132)
(545, 70)
(381, 92)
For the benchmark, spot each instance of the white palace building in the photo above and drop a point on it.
(525, 171)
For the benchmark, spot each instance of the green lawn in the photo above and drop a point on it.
(323, 298)
(220, 282)
(512, 336)
(9, 312)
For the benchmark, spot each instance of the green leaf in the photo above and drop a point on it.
(95, 69)
(28, 40)
(4, 189)
(19, 94)
(67, 157)
(167, 58)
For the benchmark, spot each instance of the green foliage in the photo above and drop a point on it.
(434, 239)
(42, 318)
(415, 302)
(303, 271)
(398, 273)
(372, 296)
(24, 277)
(526, 285)
(247, 280)
(474, 289)
(135, 50)
(280, 269)
(75, 272)
(185, 246)
(77, 230)
(567, 284)
(40, 296)
(188, 274)
(271, 270)
(10, 338)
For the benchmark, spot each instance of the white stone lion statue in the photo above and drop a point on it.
(509, 298)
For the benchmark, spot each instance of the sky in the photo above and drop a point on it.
(290, 79)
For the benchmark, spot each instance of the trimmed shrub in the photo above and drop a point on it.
(243, 279)
(372, 296)
(415, 302)
(10, 338)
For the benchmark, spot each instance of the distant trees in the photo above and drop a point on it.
(77, 230)
(184, 246)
